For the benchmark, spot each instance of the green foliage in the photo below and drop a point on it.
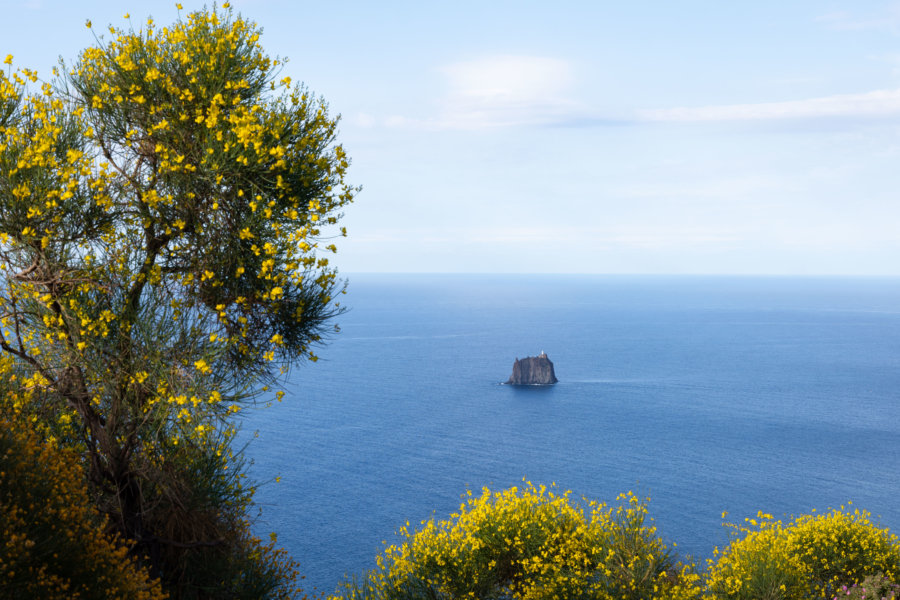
(530, 544)
(52, 541)
(161, 265)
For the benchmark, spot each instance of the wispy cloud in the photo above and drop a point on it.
(707, 188)
(10, 5)
(886, 20)
(503, 91)
(638, 236)
(364, 120)
(890, 58)
(507, 90)
(880, 103)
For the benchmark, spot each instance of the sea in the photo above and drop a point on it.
(706, 394)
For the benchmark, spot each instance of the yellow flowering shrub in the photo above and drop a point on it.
(52, 541)
(811, 557)
(163, 201)
(533, 544)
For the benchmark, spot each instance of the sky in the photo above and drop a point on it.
(665, 137)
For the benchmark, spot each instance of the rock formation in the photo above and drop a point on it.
(533, 370)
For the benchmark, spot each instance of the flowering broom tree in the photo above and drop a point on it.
(161, 206)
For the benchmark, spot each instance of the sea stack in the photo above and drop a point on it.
(533, 370)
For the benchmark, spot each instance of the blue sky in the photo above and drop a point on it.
(586, 137)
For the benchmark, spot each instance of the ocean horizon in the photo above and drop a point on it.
(708, 394)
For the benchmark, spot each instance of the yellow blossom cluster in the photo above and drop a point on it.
(531, 543)
(810, 557)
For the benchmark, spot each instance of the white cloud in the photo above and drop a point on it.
(644, 235)
(364, 120)
(507, 90)
(400, 121)
(7, 6)
(707, 188)
(880, 103)
(893, 59)
(509, 78)
(888, 20)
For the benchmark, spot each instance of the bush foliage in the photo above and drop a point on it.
(531, 543)
(52, 541)
(812, 556)
(534, 544)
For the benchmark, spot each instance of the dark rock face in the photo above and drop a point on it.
(534, 370)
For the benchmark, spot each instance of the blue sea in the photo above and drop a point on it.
(707, 394)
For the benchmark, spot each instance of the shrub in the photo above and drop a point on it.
(52, 542)
(811, 557)
(205, 500)
(530, 544)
